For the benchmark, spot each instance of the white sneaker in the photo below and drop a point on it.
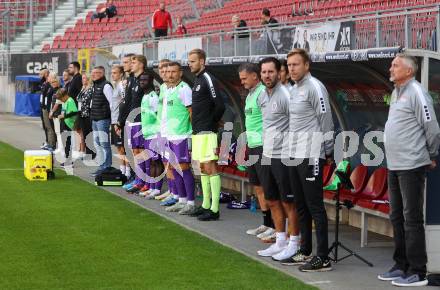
(143, 193)
(153, 193)
(176, 208)
(163, 196)
(257, 231)
(76, 155)
(288, 252)
(268, 232)
(188, 209)
(273, 249)
(270, 238)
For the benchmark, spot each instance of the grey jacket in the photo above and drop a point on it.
(275, 111)
(310, 116)
(412, 134)
(117, 98)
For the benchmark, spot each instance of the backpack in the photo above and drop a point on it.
(110, 177)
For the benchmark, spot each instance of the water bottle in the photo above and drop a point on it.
(253, 207)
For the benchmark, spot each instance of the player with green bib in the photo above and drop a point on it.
(249, 77)
(174, 113)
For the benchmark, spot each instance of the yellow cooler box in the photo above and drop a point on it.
(37, 164)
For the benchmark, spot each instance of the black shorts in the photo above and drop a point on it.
(115, 139)
(275, 181)
(254, 171)
(85, 124)
(306, 178)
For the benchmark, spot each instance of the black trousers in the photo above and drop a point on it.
(68, 142)
(306, 183)
(406, 191)
(44, 125)
(160, 33)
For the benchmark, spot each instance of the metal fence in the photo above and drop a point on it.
(417, 28)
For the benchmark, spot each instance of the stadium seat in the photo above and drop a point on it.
(213, 19)
(375, 188)
(381, 204)
(326, 173)
(343, 166)
(358, 178)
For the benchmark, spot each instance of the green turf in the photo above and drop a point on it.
(68, 234)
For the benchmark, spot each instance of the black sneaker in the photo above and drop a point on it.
(198, 211)
(298, 259)
(317, 264)
(209, 215)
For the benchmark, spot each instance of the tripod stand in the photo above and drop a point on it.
(345, 182)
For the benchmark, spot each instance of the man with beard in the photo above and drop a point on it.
(274, 105)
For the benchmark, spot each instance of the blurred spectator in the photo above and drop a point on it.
(181, 29)
(69, 117)
(109, 11)
(66, 79)
(239, 25)
(45, 104)
(84, 122)
(306, 45)
(55, 110)
(266, 19)
(304, 10)
(76, 83)
(100, 114)
(296, 43)
(284, 72)
(161, 20)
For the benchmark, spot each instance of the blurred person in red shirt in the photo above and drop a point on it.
(161, 20)
(181, 29)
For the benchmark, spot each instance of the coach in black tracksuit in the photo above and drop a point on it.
(207, 110)
(75, 86)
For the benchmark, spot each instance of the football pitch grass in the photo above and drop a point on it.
(69, 234)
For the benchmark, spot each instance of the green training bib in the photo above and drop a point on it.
(254, 119)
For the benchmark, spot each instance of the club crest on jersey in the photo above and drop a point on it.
(274, 107)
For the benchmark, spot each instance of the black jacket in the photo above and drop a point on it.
(125, 105)
(136, 98)
(100, 107)
(207, 104)
(51, 100)
(242, 26)
(44, 102)
(75, 87)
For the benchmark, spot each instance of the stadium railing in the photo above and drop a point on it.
(416, 28)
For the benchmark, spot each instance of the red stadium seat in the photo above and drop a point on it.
(359, 179)
(135, 12)
(381, 205)
(229, 170)
(326, 174)
(375, 188)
